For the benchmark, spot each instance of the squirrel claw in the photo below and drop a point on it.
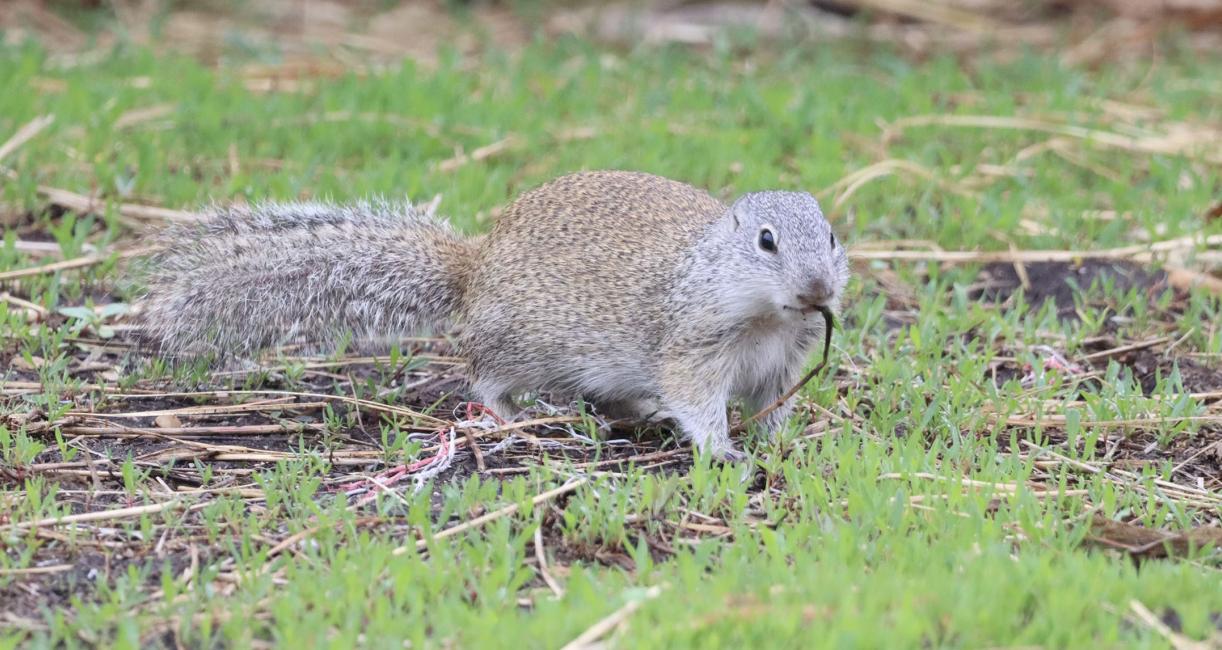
(730, 456)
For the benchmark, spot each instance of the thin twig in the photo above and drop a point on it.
(225, 409)
(38, 570)
(495, 514)
(475, 450)
(74, 263)
(484, 152)
(1177, 641)
(1202, 145)
(313, 530)
(1107, 354)
(25, 134)
(82, 204)
(968, 257)
(101, 515)
(244, 430)
(608, 624)
(829, 323)
(428, 422)
(541, 558)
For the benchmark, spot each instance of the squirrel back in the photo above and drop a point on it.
(588, 262)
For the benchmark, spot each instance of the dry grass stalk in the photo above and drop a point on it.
(74, 263)
(846, 187)
(1138, 251)
(495, 514)
(590, 639)
(207, 410)
(103, 515)
(939, 13)
(1187, 279)
(1177, 641)
(1203, 144)
(139, 116)
(82, 204)
(38, 570)
(482, 153)
(427, 422)
(1131, 423)
(1132, 347)
(541, 559)
(247, 430)
(25, 134)
(34, 312)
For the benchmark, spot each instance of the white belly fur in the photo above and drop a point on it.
(762, 358)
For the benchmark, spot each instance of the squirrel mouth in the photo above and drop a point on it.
(807, 310)
(829, 322)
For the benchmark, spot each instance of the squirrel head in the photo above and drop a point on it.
(789, 260)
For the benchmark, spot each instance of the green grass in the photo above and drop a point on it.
(825, 549)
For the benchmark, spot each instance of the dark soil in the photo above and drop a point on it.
(1149, 365)
(1062, 282)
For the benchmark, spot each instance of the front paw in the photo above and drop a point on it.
(729, 456)
(773, 426)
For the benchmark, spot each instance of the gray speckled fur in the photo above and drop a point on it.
(620, 287)
(249, 278)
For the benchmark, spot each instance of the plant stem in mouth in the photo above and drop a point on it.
(829, 323)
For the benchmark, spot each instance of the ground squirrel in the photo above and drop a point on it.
(629, 290)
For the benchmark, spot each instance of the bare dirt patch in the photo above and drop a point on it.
(1148, 366)
(1065, 283)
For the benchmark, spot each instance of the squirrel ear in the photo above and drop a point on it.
(734, 215)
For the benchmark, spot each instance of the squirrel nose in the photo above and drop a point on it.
(817, 293)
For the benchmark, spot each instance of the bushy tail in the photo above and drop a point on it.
(248, 278)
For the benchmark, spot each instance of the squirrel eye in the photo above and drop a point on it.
(767, 240)
(833, 240)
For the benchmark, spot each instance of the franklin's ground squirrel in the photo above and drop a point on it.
(635, 292)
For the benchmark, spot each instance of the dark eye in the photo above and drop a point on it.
(767, 240)
(833, 240)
